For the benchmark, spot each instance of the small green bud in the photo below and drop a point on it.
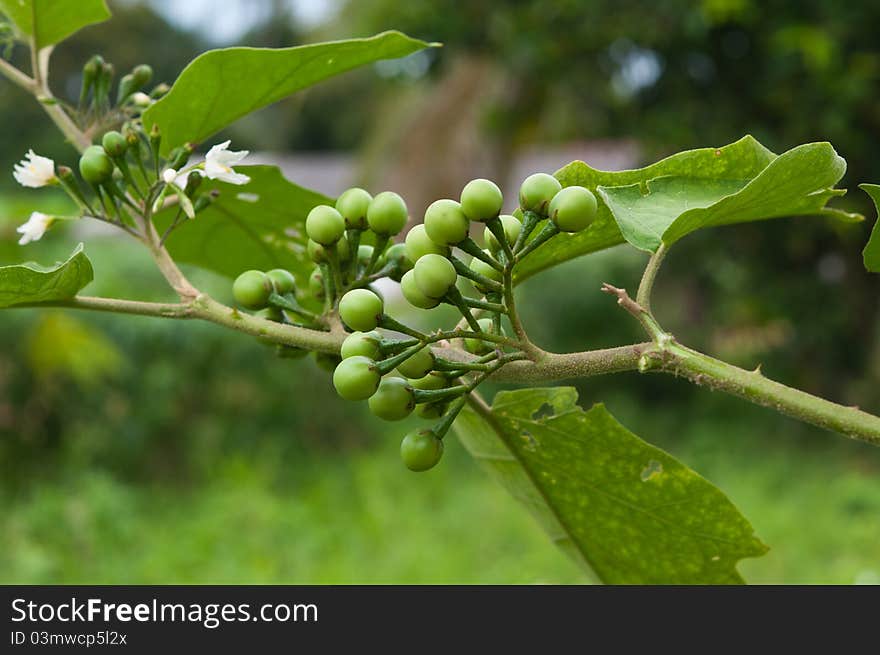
(114, 144)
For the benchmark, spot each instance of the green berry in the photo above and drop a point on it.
(365, 254)
(365, 344)
(320, 254)
(252, 289)
(394, 400)
(481, 200)
(356, 378)
(316, 284)
(429, 382)
(435, 275)
(482, 268)
(327, 362)
(95, 166)
(432, 410)
(421, 450)
(445, 223)
(418, 365)
(512, 227)
(478, 346)
(419, 244)
(283, 280)
(387, 214)
(325, 225)
(537, 191)
(573, 209)
(413, 294)
(114, 144)
(361, 309)
(353, 204)
(396, 256)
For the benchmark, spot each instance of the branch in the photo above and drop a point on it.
(643, 296)
(669, 356)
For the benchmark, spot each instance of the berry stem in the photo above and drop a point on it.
(454, 297)
(530, 222)
(388, 365)
(291, 305)
(470, 247)
(548, 232)
(378, 248)
(353, 237)
(465, 271)
(392, 324)
(476, 303)
(496, 227)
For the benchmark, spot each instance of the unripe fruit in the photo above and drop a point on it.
(512, 228)
(365, 344)
(478, 346)
(421, 450)
(432, 410)
(316, 284)
(327, 362)
(418, 244)
(361, 309)
(356, 378)
(445, 223)
(283, 280)
(413, 294)
(365, 254)
(435, 275)
(537, 191)
(429, 382)
(482, 268)
(318, 253)
(573, 209)
(394, 400)
(353, 204)
(252, 289)
(95, 166)
(397, 258)
(114, 144)
(481, 200)
(142, 74)
(418, 365)
(325, 225)
(387, 214)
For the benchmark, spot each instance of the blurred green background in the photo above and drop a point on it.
(139, 450)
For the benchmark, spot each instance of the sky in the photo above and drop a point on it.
(224, 22)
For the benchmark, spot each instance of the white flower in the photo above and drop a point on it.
(141, 99)
(169, 175)
(34, 171)
(219, 162)
(35, 228)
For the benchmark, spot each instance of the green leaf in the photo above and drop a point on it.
(729, 165)
(625, 510)
(220, 86)
(259, 225)
(665, 209)
(31, 283)
(742, 159)
(51, 21)
(871, 253)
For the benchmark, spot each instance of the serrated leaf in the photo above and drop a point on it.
(628, 512)
(742, 159)
(31, 283)
(871, 253)
(665, 209)
(52, 21)
(220, 86)
(259, 225)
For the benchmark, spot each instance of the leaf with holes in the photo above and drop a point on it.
(871, 253)
(220, 86)
(628, 512)
(260, 225)
(31, 283)
(666, 209)
(51, 21)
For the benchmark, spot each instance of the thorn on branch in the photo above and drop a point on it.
(624, 300)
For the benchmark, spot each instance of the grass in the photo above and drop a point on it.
(361, 518)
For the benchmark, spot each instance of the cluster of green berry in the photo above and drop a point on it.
(417, 372)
